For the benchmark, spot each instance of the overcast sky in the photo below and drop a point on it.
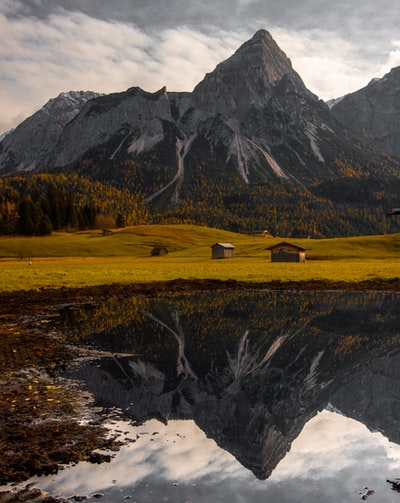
(51, 46)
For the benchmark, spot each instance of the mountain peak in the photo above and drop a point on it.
(262, 49)
(261, 33)
(248, 76)
(261, 36)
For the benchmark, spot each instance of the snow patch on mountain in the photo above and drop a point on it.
(311, 133)
(182, 149)
(276, 168)
(112, 156)
(240, 150)
(311, 378)
(67, 105)
(334, 101)
(3, 135)
(152, 135)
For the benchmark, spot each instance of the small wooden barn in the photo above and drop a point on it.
(261, 233)
(158, 251)
(287, 252)
(222, 250)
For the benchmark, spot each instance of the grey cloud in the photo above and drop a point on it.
(370, 25)
(46, 43)
(144, 13)
(342, 16)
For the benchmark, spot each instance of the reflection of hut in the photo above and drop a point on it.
(157, 251)
(222, 250)
(287, 252)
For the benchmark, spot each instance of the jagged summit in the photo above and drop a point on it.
(262, 48)
(247, 77)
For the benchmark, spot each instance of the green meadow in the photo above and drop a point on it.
(89, 258)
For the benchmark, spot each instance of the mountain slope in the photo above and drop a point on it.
(374, 112)
(26, 147)
(249, 146)
(262, 106)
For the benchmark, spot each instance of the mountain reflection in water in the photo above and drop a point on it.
(250, 368)
(330, 461)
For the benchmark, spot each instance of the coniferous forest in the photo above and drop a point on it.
(38, 204)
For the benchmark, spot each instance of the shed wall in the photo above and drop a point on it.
(281, 255)
(220, 252)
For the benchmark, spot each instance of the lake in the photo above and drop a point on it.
(241, 396)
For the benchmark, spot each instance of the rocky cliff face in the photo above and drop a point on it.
(264, 114)
(27, 147)
(129, 122)
(374, 112)
(252, 118)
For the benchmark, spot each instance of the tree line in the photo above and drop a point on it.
(37, 205)
(37, 216)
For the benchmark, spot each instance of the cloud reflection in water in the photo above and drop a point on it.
(333, 458)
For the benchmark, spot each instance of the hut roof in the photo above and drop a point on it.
(289, 245)
(223, 245)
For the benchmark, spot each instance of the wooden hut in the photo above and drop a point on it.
(261, 233)
(222, 250)
(287, 252)
(158, 251)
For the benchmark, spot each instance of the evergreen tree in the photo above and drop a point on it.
(120, 222)
(30, 216)
(45, 227)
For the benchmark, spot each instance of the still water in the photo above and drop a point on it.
(242, 397)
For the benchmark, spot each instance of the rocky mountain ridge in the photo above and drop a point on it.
(373, 112)
(252, 116)
(26, 147)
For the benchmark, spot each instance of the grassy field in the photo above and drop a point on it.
(89, 258)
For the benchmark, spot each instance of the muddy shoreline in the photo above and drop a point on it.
(40, 422)
(27, 301)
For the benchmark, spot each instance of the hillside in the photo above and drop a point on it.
(373, 112)
(90, 258)
(190, 241)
